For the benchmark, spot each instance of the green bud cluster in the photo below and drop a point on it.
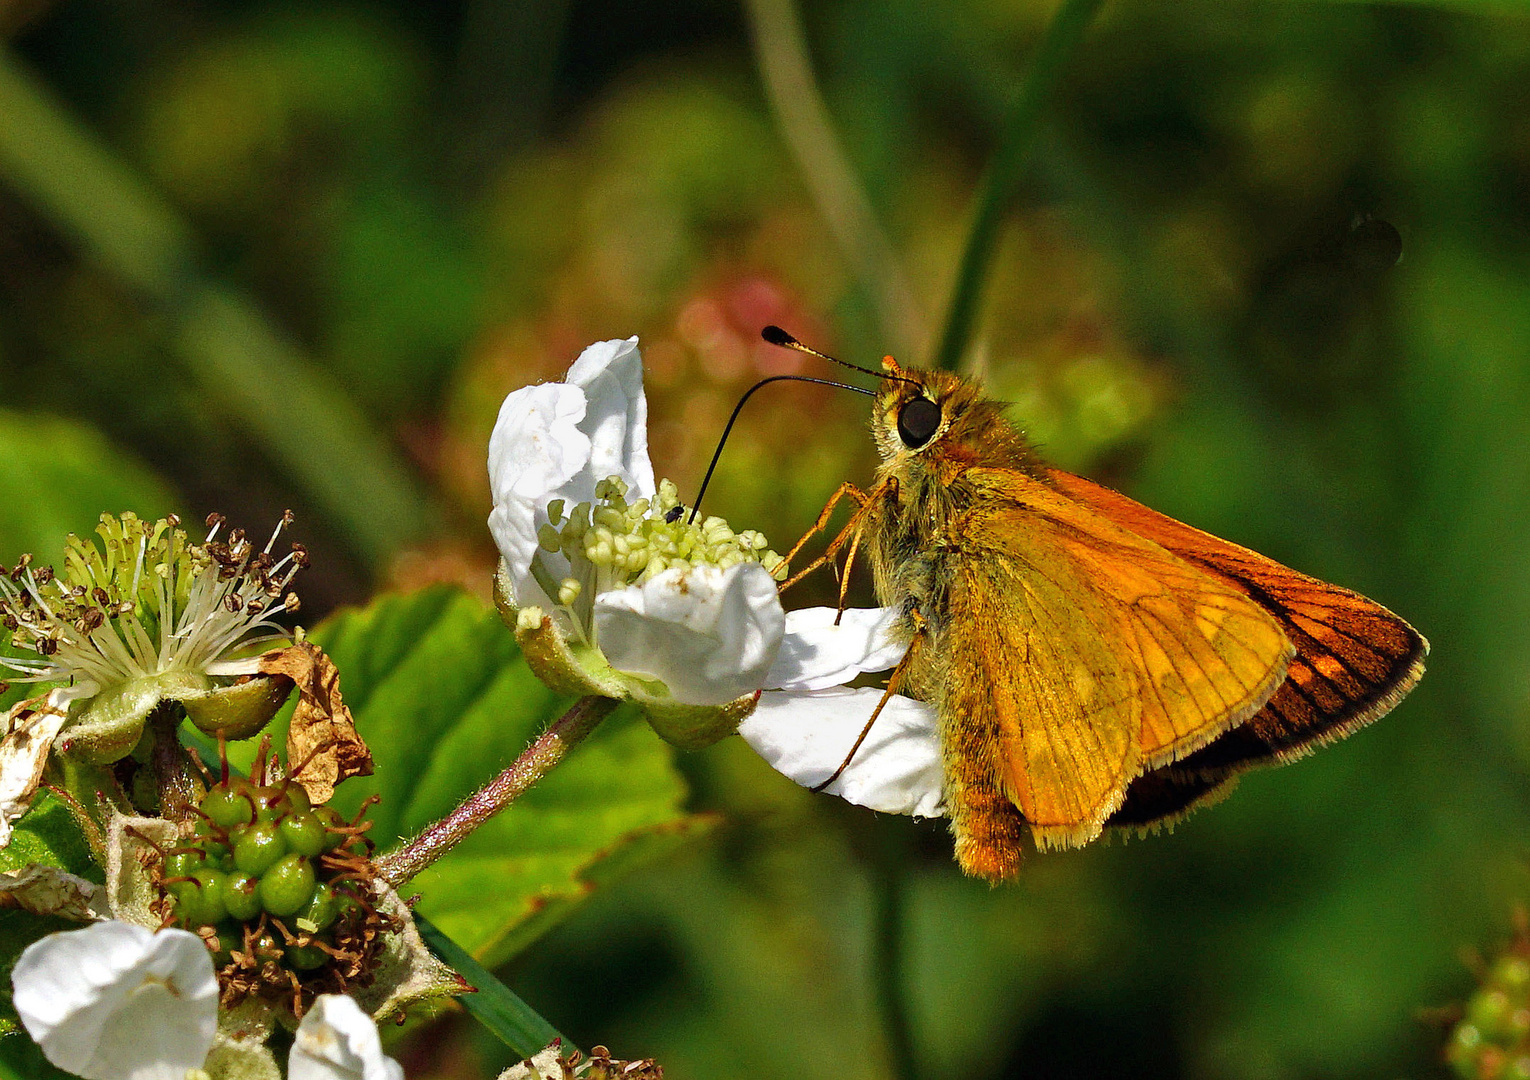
(1492, 1039)
(261, 879)
(635, 541)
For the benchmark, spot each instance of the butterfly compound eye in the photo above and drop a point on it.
(917, 421)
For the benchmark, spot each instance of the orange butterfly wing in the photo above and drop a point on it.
(1093, 652)
(1354, 662)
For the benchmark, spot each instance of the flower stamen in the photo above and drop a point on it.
(144, 601)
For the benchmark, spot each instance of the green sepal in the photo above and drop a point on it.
(106, 726)
(580, 670)
(239, 711)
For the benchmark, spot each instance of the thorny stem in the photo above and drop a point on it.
(561, 736)
(179, 787)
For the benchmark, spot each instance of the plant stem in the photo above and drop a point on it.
(793, 94)
(179, 787)
(1057, 45)
(561, 736)
(889, 882)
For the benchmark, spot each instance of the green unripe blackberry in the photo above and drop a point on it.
(287, 886)
(216, 854)
(228, 806)
(241, 896)
(305, 957)
(229, 939)
(270, 802)
(304, 833)
(348, 903)
(200, 902)
(297, 795)
(182, 864)
(333, 822)
(259, 847)
(206, 828)
(321, 911)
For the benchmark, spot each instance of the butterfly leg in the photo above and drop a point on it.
(846, 490)
(894, 681)
(848, 535)
(844, 577)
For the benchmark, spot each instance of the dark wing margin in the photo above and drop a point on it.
(1161, 798)
(1354, 662)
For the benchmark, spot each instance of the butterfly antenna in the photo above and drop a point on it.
(674, 514)
(776, 336)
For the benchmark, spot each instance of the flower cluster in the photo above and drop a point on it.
(144, 602)
(610, 544)
(627, 618)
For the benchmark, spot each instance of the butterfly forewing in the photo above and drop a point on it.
(1354, 660)
(1098, 653)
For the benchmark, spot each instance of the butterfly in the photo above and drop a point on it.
(1092, 663)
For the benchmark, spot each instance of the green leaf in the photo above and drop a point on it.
(58, 477)
(22, 1059)
(494, 1005)
(445, 702)
(47, 834)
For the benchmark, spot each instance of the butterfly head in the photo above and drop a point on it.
(926, 418)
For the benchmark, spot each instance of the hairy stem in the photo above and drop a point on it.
(561, 736)
(1061, 39)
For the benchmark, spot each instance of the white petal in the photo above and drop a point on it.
(710, 635)
(611, 375)
(338, 1041)
(805, 737)
(535, 452)
(116, 1001)
(815, 654)
(26, 738)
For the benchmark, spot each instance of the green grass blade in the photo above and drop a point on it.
(302, 417)
(495, 1005)
(1061, 39)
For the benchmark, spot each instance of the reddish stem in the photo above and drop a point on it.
(561, 736)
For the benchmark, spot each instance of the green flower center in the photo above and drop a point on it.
(611, 543)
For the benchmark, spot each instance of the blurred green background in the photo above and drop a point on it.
(262, 254)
